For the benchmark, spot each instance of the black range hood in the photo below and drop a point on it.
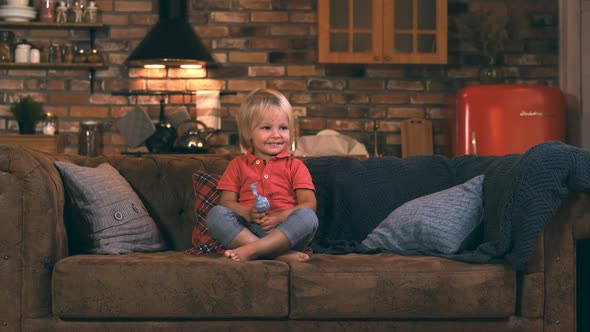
(172, 42)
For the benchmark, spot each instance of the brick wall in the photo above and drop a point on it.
(271, 43)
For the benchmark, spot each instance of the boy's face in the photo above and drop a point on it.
(271, 136)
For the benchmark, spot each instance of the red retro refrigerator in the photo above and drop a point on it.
(506, 118)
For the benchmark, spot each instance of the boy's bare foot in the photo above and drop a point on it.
(241, 254)
(293, 256)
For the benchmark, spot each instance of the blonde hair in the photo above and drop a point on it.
(253, 109)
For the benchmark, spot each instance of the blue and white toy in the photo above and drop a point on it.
(261, 204)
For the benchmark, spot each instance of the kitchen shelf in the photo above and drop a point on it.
(91, 27)
(85, 65)
(41, 25)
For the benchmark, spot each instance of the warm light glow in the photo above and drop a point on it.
(191, 66)
(154, 66)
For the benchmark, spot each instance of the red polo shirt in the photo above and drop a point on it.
(277, 179)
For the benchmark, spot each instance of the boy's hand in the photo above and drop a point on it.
(269, 222)
(255, 216)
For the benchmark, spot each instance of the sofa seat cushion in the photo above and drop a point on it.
(168, 285)
(391, 286)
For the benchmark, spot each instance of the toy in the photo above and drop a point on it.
(261, 204)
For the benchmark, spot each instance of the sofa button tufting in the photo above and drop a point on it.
(6, 257)
(135, 208)
(118, 215)
(4, 324)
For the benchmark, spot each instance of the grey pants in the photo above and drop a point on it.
(299, 227)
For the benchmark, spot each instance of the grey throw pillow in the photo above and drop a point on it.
(444, 222)
(112, 218)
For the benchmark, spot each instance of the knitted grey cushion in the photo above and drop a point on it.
(444, 222)
(112, 218)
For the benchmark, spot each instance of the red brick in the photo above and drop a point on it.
(255, 71)
(289, 30)
(303, 18)
(270, 43)
(133, 6)
(465, 72)
(67, 98)
(436, 113)
(205, 84)
(344, 125)
(104, 5)
(173, 85)
(83, 85)
(309, 98)
(245, 85)
(310, 70)
(27, 73)
(287, 84)
(390, 98)
(350, 98)
(537, 72)
(366, 85)
(392, 126)
(243, 57)
(129, 33)
(107, 99)
(229, 17)
(119, 111)
(252, 4)
(113, 19)
(405, 112)
(236, 43)
(429, 98)
(149, 73)
(143, 19)
(11, 84)
(89, 112)
(187, 73)
(312, 124)
(212, 31)
(48, 33)
(300, 4)
(405, 85)
(266, 17)
(55, 84)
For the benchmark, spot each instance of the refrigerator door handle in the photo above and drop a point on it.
(474, 142)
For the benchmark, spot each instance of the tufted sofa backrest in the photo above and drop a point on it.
(164, 184)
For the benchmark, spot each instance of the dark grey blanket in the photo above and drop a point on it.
(521, 194)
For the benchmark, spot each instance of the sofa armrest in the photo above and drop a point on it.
(560, 235)
(32, 233)
(581, 218)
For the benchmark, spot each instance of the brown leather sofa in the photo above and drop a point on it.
(44, 288)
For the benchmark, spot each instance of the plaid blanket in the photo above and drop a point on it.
(521, 194)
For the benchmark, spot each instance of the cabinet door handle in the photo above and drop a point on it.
(377, 58)
(387, 58)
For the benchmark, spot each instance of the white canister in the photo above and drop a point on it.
(34, 55)
(21, 53)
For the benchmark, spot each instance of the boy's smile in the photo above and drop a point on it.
(271, 136)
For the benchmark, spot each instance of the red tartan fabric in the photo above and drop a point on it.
(206, 197)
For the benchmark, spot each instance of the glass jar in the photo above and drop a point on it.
(90, 138)
(47, 11)
(50, 124)
(21, 51)
(6, 42)
(68, 53)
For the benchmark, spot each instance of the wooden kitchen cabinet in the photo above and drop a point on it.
(382, 31)
(45, 143)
